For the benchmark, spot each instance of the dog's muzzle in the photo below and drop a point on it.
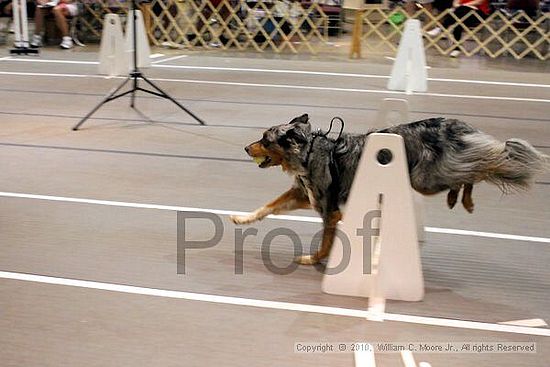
(261, 161)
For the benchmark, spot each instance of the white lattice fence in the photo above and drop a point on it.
(499, 34)
(93, 13)
(302, 27)
(277, 26)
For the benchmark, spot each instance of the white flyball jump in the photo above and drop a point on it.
(409, 69)
(381, 260)
(389, 106)
(401, 107)
(116, 50)
(112, 58)
(143, 49)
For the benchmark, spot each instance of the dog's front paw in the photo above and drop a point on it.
(469, 206)
(306, 260)
(242, 219)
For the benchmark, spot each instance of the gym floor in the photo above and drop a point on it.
(84, 266)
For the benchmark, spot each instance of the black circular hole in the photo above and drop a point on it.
(384, 156)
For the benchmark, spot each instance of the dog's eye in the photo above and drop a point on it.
(265, 142)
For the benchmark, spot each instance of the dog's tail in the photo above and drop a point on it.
(511, 165)
(517, 165)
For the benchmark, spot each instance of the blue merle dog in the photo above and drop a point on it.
(443, 155)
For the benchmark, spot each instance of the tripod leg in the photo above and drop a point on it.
(165, 95)
(106, 99)
(134, 88)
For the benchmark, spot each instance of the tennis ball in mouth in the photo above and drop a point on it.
(259, 160)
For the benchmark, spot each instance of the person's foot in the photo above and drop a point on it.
(455, 53)
(66, 43)
(434, 32)
(36, 41)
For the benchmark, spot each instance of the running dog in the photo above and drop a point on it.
(443, 154)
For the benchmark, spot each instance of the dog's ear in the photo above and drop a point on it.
(304, 119)
(297, 134)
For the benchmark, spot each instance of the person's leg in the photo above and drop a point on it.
(5, 8)
(39, 15)
(473, 20)
(447, 23)
(442, 5)
(5, 11)
(61, 14)
(206, 14)
(470, 21)
(432, 7)
(429, 7)
(224, 13)
(459, 12)
(410, 7)
(31, 8)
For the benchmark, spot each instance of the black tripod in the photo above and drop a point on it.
(134, 76)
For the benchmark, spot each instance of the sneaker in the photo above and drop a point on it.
(434, 32)
(455, 53)
(36, 41)
(67, 43)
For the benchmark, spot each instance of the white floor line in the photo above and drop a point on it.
(42, 61)
(364, 357)
(295, 218)
(273, 305)
(502, 236)
(407, 358)
(377, 308)
(55, 75)
(169, 59)
(527, 322)
(304, 72)
(285, 86)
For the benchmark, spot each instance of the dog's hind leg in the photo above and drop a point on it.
(452, 197)
(290, 200)
(467, 201)
(329, 231)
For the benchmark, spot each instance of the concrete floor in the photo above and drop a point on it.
(159, 155)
